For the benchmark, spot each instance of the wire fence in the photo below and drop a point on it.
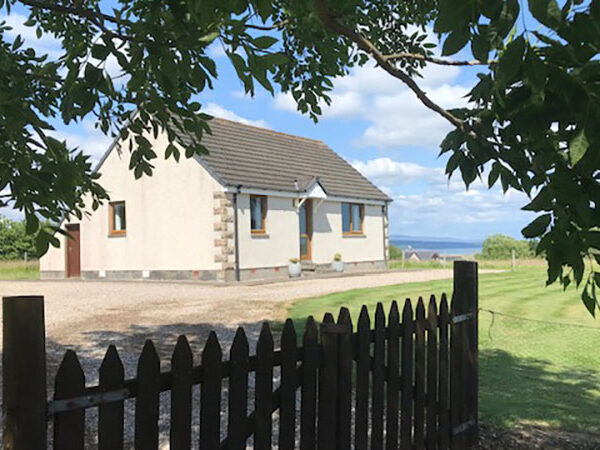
(539, 371)
(562, 345)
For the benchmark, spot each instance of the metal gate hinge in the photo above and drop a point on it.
(463, 427)
(86, 401)
(462, 318)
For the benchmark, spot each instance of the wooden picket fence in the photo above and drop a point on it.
(406, 382)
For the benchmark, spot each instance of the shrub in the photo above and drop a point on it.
(14, 241)
(337, 257)
(499, 246)
(395, 252)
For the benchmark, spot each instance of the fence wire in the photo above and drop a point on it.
(539, 371)
(562, 345)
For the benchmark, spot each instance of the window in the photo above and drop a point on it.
(258, 213)
(117, 222)
(352, 218)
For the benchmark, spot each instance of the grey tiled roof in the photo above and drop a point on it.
(263, 159)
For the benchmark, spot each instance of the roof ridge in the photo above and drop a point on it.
(294, 136)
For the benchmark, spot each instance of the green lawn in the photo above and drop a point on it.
(19, 270)
(530, 372)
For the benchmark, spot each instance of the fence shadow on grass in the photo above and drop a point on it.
(514, 389)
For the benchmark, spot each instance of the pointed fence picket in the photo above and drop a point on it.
(405, 383)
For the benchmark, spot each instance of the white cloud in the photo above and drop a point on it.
(387, 172)
(85, 137)
(218, 111)
(46, 44)
(427, 203)
(394, 116)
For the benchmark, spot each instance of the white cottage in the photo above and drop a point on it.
(241, 212)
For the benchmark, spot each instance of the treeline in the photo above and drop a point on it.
(15, 243)
(500, 246)
(495, 246)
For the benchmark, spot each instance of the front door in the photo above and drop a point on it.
(305, 230)
(73, 251)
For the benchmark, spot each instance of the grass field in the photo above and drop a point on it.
(532, 369)
(19, 270)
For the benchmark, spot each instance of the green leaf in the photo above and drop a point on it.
(578, 146)
(494, 174)
(589, 300)
(510, 61)
(453, 15)
(31, 223)
(537, 227)
(480, 47)
(541, 202)
(100, 51)
(546, 11)
(265, 8)
(264, 42)
(276, 59)
(491, 8)
(452, 141)
(92, 74)
(535, 70)
(455, 42)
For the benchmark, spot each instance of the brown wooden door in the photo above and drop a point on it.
(305, 215)
(73, 251)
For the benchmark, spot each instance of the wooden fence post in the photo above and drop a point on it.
(24, 373)
(464, 356)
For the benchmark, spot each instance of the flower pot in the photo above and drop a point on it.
(338, 266)
(294, 269)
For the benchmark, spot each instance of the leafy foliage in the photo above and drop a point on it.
(395, 252)
(499, 246)
(530, 125)
(14, 240)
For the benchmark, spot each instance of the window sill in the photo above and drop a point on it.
(352, 235)
(259, 236)
(117, 235)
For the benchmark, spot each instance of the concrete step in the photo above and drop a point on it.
(308, 266)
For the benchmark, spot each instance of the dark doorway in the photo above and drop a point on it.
(73, 252)
(306, 230)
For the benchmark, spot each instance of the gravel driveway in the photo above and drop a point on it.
(88, 316)
(76, 309)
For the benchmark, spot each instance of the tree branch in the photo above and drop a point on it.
(330, 22)
(81, 12)
(275, 26)
(95, 17)
(440, 61)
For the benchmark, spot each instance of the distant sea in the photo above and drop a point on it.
(450, 247)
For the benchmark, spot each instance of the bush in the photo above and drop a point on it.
(395, 252)
(499, 246)
(14, 241)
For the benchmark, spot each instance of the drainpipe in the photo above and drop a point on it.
(235, 233)
(384, 219)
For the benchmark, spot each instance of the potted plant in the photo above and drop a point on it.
(337, 264)
(294, 267)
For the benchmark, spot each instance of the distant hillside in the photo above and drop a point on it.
(438, 244)
(405, 237)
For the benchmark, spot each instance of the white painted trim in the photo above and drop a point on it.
(299, 205)
(316, 191)
(287, 194)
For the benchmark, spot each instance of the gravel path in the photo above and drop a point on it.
(88, 316)
(78, 308)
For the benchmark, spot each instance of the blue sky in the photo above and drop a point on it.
(377, 125)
